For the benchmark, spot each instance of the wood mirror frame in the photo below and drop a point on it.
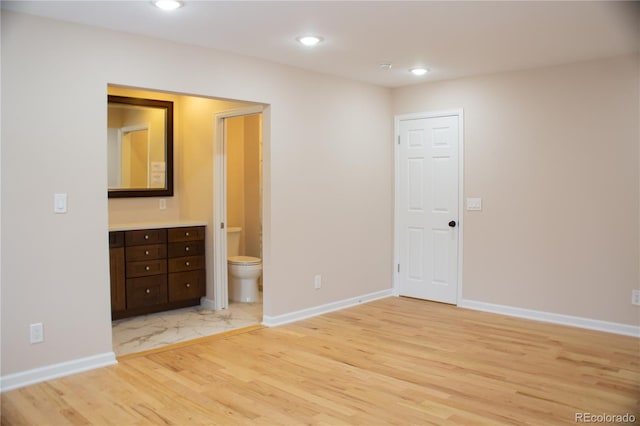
(163, 168)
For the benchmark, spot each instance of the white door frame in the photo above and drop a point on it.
(129, 129)
(396, 240)
(220, 279)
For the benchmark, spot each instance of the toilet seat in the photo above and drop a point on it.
(244, 260)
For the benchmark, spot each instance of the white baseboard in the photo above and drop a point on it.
(272, 321)
(588, 323)
(36, 375)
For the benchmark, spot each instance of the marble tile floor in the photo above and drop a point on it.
(146, 332)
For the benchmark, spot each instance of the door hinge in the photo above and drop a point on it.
(398, 268)
(221, 225)
(398, 139)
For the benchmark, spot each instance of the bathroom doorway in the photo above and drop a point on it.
(238, 204)
(193, 202)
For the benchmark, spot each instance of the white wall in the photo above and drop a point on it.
(327, 178)
(553, 153)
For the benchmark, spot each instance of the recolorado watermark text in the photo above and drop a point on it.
(604, 418)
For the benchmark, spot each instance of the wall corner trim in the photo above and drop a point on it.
(272, 321)
(41, 374)
(561, 319)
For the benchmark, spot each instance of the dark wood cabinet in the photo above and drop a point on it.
(116, 268)
(186, 263)
(155, 270)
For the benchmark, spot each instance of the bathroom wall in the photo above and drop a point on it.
(252, 186)
(235, 175)
(147, 209)
(243, 181)
(194, 130)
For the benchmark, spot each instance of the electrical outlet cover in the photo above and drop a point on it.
(36, 333)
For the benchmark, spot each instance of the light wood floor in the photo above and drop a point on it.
(393, 361)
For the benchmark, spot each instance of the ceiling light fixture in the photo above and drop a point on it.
(309, 40)
(418, 71)
(168, 4)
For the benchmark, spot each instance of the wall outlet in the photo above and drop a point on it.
(163, 204)
(635, 297)
(317, 281)
(36, 333)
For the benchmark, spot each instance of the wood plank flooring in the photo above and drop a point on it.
(394, 361)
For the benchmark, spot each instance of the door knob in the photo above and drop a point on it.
(452, 224)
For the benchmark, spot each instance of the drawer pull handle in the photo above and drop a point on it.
(147, 291)
(147, 268)
(187, 285)
(186, 248)
(187, 263)
(146, 252)
(146, 236)
(186, 234)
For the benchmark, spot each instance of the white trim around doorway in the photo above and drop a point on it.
(219, 283)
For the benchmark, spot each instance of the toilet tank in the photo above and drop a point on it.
(233, 241)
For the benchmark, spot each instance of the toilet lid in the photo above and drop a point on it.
(244, 260)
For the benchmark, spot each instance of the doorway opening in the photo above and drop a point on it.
(238, 204)
(198, 135)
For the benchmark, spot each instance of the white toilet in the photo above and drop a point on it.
(243, 271)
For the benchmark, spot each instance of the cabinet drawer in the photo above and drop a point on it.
(189, 263)
(145, 268)
(155, 251)
(116, 239)
(146, 291)
(145, 236)
(192, 233)
(186, 248)
(186, 285)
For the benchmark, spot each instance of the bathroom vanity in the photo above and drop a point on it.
(156, 268)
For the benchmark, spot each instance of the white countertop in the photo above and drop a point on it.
(152, 225)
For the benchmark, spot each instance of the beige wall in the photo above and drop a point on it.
(243, 181)
(252, 186)
(57, 74)
(554, 155)
(235, 173)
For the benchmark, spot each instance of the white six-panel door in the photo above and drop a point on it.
(427, 208)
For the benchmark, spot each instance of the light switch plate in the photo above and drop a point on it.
(60, 203)
(474, 203)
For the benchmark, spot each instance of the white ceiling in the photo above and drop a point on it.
(452, 39)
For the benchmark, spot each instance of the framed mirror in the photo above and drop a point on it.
(140, 147)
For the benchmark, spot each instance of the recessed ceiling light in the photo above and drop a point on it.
(418, 71)
(168, 4)
(309, 40)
